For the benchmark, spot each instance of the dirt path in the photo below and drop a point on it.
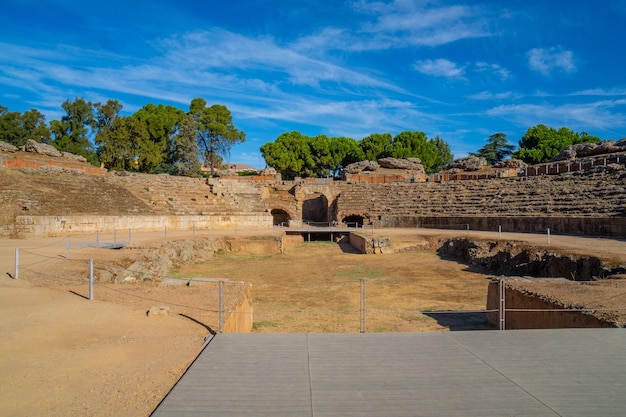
(61, 355)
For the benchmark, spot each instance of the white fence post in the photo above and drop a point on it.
(17, 263)
(220, 307)
(502, 308)
(90, 279)
(548, 235)
(363, 306)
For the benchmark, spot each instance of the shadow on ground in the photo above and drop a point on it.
(462, 320)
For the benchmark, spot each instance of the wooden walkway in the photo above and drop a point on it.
(566, 372)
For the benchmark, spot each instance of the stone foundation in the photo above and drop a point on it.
(50, 226)
(516, 299)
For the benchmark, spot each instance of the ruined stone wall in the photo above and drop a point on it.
(49, 226)
(566, 203)
(241, 317)
(368, 245)
(518, 300)
(21, 162)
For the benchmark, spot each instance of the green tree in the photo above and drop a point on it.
(496, 149)
(373, 147)
(340, 150)
(541, 143)
(71, 133)
(161, 123)
(183, 158)
(322, 158)
(444, 156)
(216, 133)
(16, 128)
(122, 147)
(290, 154)
(107, 138)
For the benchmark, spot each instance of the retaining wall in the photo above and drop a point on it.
(50, 226)
(596, 226)
(515, 299)
(370, 245)
(240, 320)
(18, 162)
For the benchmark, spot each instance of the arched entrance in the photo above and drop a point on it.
(315, 208)
(280, 217)
(353, 220)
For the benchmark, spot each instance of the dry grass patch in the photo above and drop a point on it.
(315, 287)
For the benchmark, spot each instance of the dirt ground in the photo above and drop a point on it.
(61, 354)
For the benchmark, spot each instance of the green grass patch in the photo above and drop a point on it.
(266, 323)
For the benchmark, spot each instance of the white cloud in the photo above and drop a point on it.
(547, 60)
(578, 116)
(495, 69)
(439, 68)
(400, 24)
(601, 92)
(222, 50)
(488, 95)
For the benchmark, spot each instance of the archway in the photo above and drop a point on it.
(354, 220)
(280, 217)
(315, 208)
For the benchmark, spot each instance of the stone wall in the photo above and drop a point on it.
(590, 203)
(518, 300)
(49, 226)
(368, 245)
(21, 162)
(241, 318)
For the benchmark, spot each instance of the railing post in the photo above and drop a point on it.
(548, 235)
(502, 306)
(17, 263)
(362, 306)
(90, 279)
(220, 306)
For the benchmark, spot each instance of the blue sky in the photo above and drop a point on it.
(460, 70)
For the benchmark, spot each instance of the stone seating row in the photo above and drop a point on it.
(598, 195)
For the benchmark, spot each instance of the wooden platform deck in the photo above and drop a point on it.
(568, 372)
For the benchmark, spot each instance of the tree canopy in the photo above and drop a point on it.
(496, 149)
(155, 139)
(17, 128)
(159, 138)
(296, 155)
(216, 132)
(541, 143)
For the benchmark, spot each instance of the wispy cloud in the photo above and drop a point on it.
(222, 50)
(488, 95)
(584, 115)
(617, 91)
(545, 61)
(439, 68)
(400, 24)
(494, 69)
(448, 69)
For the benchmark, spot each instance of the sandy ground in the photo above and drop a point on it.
(62, 355)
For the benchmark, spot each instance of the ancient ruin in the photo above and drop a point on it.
(43, 194)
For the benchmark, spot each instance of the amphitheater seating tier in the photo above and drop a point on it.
(597, 194)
